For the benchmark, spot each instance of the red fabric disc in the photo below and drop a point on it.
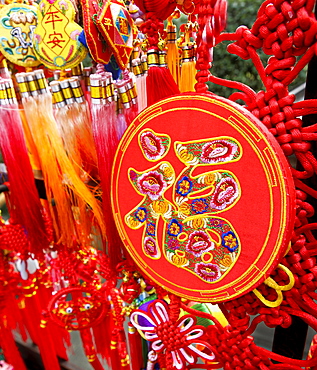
(203, 197)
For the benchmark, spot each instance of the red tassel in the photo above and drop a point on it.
(160, 84)
(26, 207)
(9, 347)
(135, 348)
(89, 348)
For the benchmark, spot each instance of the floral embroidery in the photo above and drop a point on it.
(226, 193)
(199, 206)
(151, 184)
(152, 145)
(172, 244)
(163, 333)
(150, 247)
(208, 271)
(199, 242)
(184, 186)
(230, 241)
(193, 240)
(150, 229)
(141, 214)
(174, 228)
(218, 151)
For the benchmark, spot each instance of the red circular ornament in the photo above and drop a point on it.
(203, 197)
(77, 308)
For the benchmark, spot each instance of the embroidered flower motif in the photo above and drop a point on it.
(173, 244)
(141, 214)
(150, 229)
(152, 184)
(174, 228)
(182, 339)
(208, 271)
(184, 186)
(152, 145)
(199, 206)
(230, 241)
(150, 247)
(218, 151)
(226, 193)
(199, 242)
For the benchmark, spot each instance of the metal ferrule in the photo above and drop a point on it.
(135, 53)
(153, 58)
(3, 94)
(12, 98)
(77, 90)
(56, 75)
(132, 92)
(145, 66)
(110, 93)
(33, 86)
(95, 89)
(187, 53)
(78, 71)
(124, 95)
(41, 80)
(137, 67)
(87, 73)
(58, 97)
(171, 34)
(23, 85)
(67, 92)
(163, 58)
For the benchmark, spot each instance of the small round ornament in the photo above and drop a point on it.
(203, 197)
(17, 24)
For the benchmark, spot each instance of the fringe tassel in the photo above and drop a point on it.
(26, 207)
(173, 59)
(61, 180)
(135, 348)
(160, 84)
(106, 141)
(188, 80)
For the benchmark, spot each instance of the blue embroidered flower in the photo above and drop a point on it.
(141, 214)
(199, 205)
(150, 229)
(184, 186)
(230, 241)
(174, 228)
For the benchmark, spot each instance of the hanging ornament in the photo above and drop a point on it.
(17, 24)
(56, 35)
(97, 45)
(185, 222)
(118, 29)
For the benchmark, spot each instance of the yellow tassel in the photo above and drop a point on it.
(173, 59)
(187, 82)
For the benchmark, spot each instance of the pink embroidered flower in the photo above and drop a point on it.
(218, 151)
(181, 339)
(152, 184)
(208, 271)
(150, 247)
(226, 193)
(198, 243)
(152, 145)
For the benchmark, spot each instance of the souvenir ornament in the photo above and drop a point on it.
(117, 27)
(184, 203)
(56, 35)
(98, 48)
(17, 24)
